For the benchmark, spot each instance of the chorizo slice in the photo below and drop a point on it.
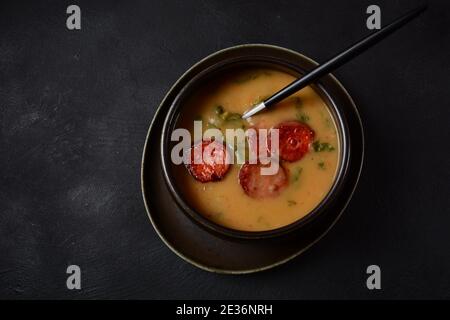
(295, 140)
(208, 161)
(260, 186)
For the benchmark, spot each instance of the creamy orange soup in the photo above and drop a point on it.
(309, 179)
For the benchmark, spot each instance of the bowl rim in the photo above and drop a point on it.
(170, 121)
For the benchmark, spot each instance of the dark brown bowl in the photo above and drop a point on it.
(198, 244)
(245, 56)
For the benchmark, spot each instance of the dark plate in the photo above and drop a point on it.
(226, 255)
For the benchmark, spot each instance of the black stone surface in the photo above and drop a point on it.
(74, 111)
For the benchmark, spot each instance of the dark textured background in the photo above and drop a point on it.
(74, 111)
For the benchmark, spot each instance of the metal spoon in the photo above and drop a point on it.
(335, 62)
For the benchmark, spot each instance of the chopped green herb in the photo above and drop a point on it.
(321, 165)
(218, 110)
(303, 117)
(297, 102)
(322, 146)
(296, 174)
(291, 203)
(227, 116)
(248, 76)
(210, 125)
(260, 99)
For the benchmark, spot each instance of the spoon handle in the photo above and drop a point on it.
(343, 57)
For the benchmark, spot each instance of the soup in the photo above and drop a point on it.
(236, 195)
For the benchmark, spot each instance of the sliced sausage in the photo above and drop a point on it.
(295, 139)
(208, 161)
(260, 186)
